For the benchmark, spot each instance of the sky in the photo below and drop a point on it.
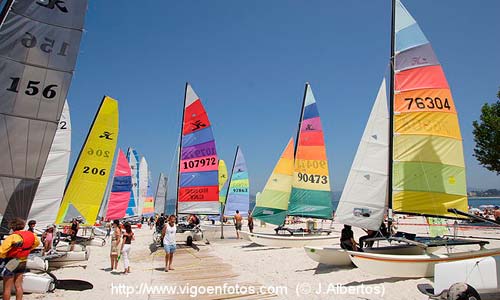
(249, 61)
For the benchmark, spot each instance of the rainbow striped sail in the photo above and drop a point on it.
(149, 202)
(222, 181)
(198, 188)
(238, 197)
(428, 168)
(272, 204)
(120, 190)
(311, 192)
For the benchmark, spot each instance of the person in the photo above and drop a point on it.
(75, 226)
(347, 239)
(31, 225)
(151, 222)
(128, 237)
(14, 253)
(496, 214)
(369, 234)
(237, 223)
(47, 238)
(108, 229)
(160, 222)
(115, 243)
(193, 220)
(169, 242)
(250, 221)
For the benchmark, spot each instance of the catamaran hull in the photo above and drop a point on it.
(70, 258)
(337, 256)
(411, 266)
(36, 283)
(36, 263)
(291, 241)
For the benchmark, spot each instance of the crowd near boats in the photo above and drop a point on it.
(409, 162)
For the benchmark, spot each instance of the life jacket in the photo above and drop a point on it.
(22, 250)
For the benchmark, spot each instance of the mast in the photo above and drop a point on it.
(5, 10)
(180, 152)
(300, 120)
(391, 111)
(223, 206)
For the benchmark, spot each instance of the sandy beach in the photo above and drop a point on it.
(240, 270)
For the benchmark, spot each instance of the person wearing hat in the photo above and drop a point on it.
(14, 252)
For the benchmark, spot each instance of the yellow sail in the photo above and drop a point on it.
(85, 190)
(222, 181)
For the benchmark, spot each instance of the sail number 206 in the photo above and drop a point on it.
(428, 102)
(312, 178)
(94, 171)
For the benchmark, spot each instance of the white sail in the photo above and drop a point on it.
(51, 188)
(143, 184)
(364, 199)
(161, 195)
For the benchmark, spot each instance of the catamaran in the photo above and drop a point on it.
(308, 193)
(120, 189)
(426, 163)
(160, 204)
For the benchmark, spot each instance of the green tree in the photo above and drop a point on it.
(487, 136)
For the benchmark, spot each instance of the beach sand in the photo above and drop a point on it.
(237, 265)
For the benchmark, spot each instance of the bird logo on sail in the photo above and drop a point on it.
(198, 124)
(52, 4)
(106, 135)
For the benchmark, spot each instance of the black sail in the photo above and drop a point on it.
(39, 44)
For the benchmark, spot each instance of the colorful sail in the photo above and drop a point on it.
(86, 187)
(133, 160)
(161, 195)
(364, 200)
(272, 204)
(39, 44)
(51, 188)
(238, 197)
(143, 184)
(222, 181)
(120, 190)
(311, 192)
(198, 190)
(428, 168)
(148, 208)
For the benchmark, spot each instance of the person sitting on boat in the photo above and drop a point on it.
(73, 231)
(347, 241)
(369, 234)
(14, 253)
(496, 214)
(31, 225)
(47, 238)
(193, 221)
(238, 219)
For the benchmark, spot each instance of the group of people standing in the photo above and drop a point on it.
(121, 243)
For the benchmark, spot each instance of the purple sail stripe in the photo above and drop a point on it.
(416, 57)
(311, 124)
(201, 150)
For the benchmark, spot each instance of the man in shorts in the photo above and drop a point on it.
(238, 219)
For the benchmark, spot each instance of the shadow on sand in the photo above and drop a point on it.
(378, 281)
(325, 269)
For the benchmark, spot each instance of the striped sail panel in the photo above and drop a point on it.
(272, 204)
(311, 191)
(364, 198)
(428, 169)
(222, 181)
(198, 161)
(133, 160)
(161, 195)
(238, 197)
(51, 188)
(39, 45)
(149, 202)
(86, 187)
(120, 190)
(143, 184)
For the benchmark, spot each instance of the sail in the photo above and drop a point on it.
(364, 200)
(272, 204)
(222, 181)
(143, 184)
(149, 202)
(161, 195)
(428, 168)
(311, 192)
(39, 44)
(120, 190)
(133, 160)
(51, 188)
(198, 190)
(85, 190)
(238, 197)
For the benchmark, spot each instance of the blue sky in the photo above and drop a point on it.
(249, 61)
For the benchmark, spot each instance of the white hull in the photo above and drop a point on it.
(70, 258)
(36, 283)
(337, 256)
(410, 266)
(64, 247)
(36, 263)
(290, 241)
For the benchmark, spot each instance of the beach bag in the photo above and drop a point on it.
(8, 264)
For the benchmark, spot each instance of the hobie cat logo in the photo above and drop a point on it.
(106, 135)
(198, 124)
(309, 127)
(52, 4)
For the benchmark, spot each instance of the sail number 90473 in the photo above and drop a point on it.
(312, 178)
